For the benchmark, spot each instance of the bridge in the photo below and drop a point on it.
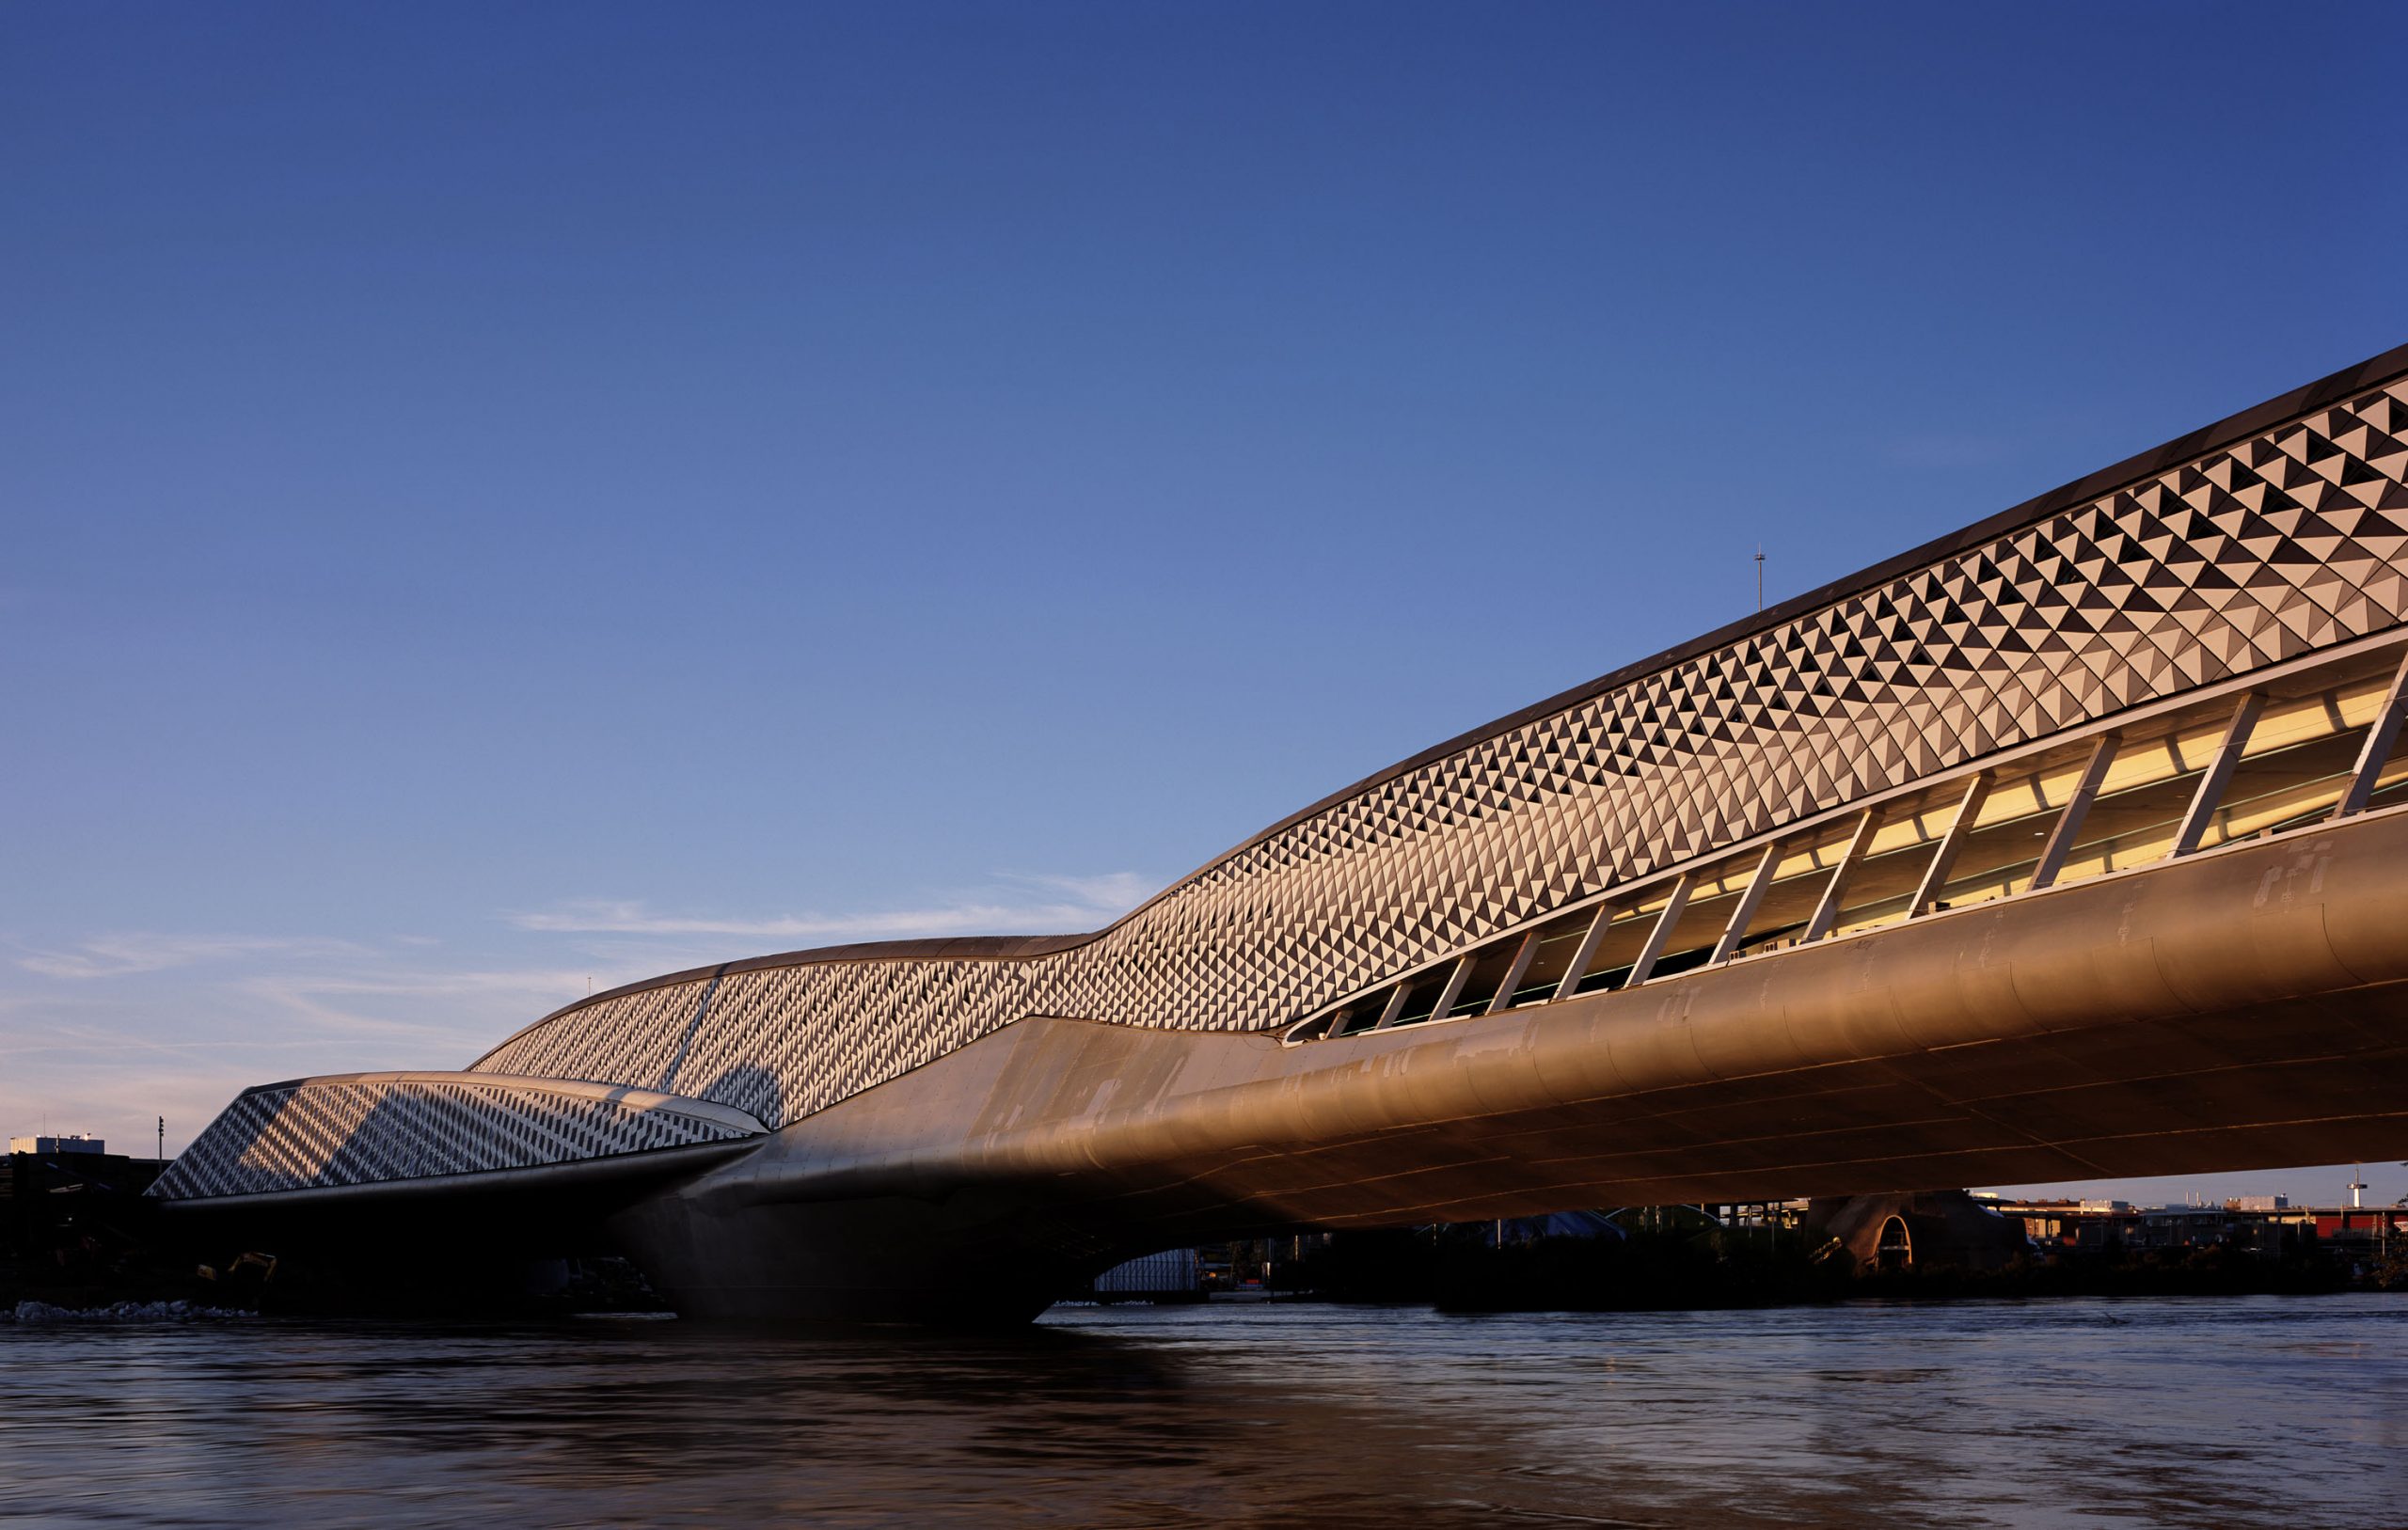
(2073, 845)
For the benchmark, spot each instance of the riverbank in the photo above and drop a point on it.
(108, 1254)
(1684, 1270)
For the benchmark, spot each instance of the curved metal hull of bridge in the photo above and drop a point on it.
(2071, 845)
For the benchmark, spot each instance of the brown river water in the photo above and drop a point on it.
(2197, 1412)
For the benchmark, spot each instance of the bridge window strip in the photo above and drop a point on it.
(2297, 783)
(1525, 950)
(2218, 774)
(2019, 824)
(1485, 973)
(1416, 1000)
(1896, 856)
(1735, 929)
(2136, 803)
(2310, 747)
(2295, 767)
(1826, 906)
(2025, 826)
(1763, 901)
(1363, 1015)
(1667, 923)
(1619, 944)
(1561, 951)
(1799, 879)
(2303, 758)
(1377, 1010)
(1582, 957)
(1452, 993)
(2391, 782)
(1943, 859)
(2052, 858)
(2381, 748)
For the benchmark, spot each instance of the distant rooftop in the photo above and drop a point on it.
(74, 1141)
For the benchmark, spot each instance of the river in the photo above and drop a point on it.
(2175, 1411)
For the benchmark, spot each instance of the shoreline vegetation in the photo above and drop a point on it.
(1678, 1269)
(105, 1252)
(1450, 1268)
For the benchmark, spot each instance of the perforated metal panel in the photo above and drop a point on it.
(632, 1040)
(2287, 542)
(359, 1129)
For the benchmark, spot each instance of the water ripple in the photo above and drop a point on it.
(2137, 1411)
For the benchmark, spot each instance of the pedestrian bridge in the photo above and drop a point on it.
(2073, 845)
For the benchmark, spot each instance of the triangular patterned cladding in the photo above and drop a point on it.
(321, 1132)
(2291, 540)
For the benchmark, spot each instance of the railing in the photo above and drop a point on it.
(2288, 747)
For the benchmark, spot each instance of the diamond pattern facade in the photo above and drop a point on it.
(2291, 539)
(316, 1133)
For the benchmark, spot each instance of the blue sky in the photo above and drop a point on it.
(500, 498)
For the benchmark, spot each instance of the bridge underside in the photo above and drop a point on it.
(2247, 1006)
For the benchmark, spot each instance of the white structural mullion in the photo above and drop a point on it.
(1737, 930)
(2061, 838)
(2218, 775)
(1935, 875)
(1503, 998)
(1586, 953)
(1395, 1004)
(2381, 735)
(1827, 911)
(1454, 988)
(1663, 930)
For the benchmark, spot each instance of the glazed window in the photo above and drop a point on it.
(2289, 753)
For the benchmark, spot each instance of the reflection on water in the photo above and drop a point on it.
(2209, 1413)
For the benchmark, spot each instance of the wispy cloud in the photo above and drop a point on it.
(1021, 905)
(119, 955)
(1118, 890)
(107, 1031)
(430, 1004)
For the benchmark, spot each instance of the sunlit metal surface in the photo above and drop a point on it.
(2072, 845)
(362, 1129)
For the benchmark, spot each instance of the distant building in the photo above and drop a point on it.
(74, 1141)
(1174, 1273)
(2357, 1225)
(2268, 1224)
(55, 1190)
